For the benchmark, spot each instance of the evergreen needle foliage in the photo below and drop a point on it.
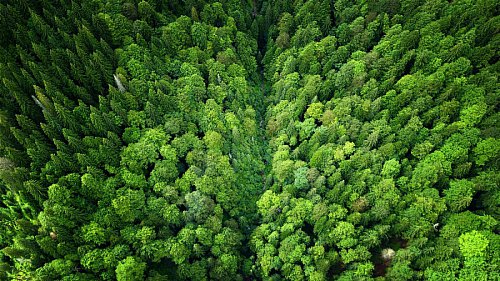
(249, 140)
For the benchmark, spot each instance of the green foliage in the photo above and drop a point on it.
(130, 269)
(383, 121)
(249, 140)
(459, 195)
(473, 244)
(486, 150)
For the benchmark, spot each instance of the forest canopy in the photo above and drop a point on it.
(249, 140)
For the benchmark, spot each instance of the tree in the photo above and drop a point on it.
(459, 195)
(430, 170)
(130, 269)
(129, 204)
(473, 247)
(485, 150)
(199, 206)
(235, 140)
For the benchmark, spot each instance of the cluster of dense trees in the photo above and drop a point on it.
(383, 126)
(242, 140)
(127, 138)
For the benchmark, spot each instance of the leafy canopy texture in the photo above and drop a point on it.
(249, 140)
